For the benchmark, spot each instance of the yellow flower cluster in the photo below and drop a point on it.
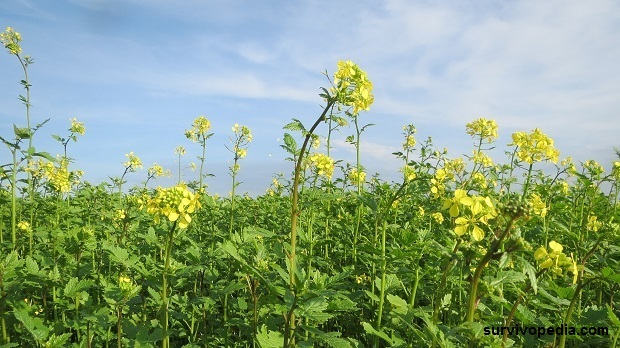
(483, 128)
(243, 131)
(409, 131)
(482, 158)
(615, 170)
(593, 224)
(200, 128)
(240, 153)
(316, 141)
(593, 168)
(179, 150)
(355, 177)
(77, 127)
(59, 177)
(157, 170)
(478, 210)
(540, 208)
(133, 162)
(534, 147)
(556, 260)
(322, 164)
(10, 39)
(438, 217)
(353, 87)
(479, 180)
(408, 172)
(23, 226)
(437, 183)
(119, 215)
(175, 204)
(453, 167)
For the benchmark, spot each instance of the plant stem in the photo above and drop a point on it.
(471, 307)
(166, 340)
(294, 216)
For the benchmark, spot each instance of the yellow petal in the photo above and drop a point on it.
(460, 230)
(173, 216)
(478, 233)
(540, 253)
(548, 263)
(556, 247)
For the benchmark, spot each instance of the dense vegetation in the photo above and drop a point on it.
(460, 245)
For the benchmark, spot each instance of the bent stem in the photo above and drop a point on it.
(471, 307)
(290, 327)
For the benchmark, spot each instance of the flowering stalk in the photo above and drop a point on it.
(200, 133)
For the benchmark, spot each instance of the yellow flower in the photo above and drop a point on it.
(59, 177)
(483, 128)
(482, 158)
(316, 142)
(615, 170)
(408, 172)
(23, 226)
(454, 166)
(200, 128)
(437, 186)
(179, 150)
(355, 177)
(353, 88)
(322, 164)
(133, 162)
(175, 203)
(540, 208)
(534, 147)
(240, 153)
(479, 210)
(593, 225)
(10, 39)
(156, 170)
(453, 204)
(438, 217)
(555, 260)
(77, 127)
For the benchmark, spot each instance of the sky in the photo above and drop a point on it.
(138, 72)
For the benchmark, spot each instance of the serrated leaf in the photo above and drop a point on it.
(57, 341)
(530, 271)
(269, 339)
(32, 266)
(314, 309)
(75, 286)
(34, 325)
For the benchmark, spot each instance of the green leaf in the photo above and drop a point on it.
(313, 309)
(269, 339)
(399, 305)
(31, 266)
(34, 325)
(45, 155)
(75, 286)
(290, 144)
(295, 125)
(57, 341)
(530, 271)
(371, 331)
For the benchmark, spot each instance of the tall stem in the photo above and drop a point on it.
(471, 307)
(164, 298)
(294, 216)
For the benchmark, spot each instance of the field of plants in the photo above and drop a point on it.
(329, 256)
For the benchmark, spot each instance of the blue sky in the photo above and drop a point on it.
(137, 73)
